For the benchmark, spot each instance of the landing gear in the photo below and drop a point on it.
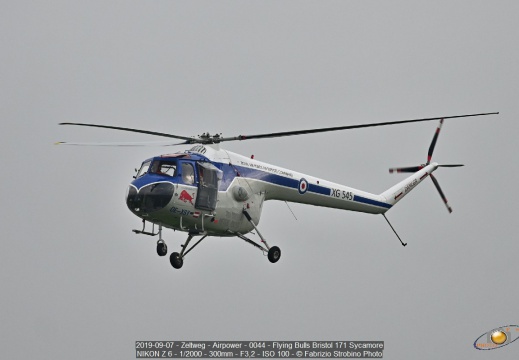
(274, 254)
(162, 248)
(152, 233)
(176, 260)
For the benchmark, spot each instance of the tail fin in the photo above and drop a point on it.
(397, 192)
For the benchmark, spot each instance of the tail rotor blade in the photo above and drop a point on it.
(411, 169)
(451, 165)
(433, 143)
(441, 192)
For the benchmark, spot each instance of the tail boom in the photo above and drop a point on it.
(398, 191)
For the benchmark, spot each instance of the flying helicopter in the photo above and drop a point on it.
(208, 191)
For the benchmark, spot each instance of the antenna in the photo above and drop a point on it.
(294, 215)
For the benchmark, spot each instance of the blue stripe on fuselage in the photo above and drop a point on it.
(364, 200)
(230, 172)
(318, 189)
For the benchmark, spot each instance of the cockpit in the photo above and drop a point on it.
(154, 182)
(182, 171)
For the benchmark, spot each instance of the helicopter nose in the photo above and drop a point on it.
(150, 198)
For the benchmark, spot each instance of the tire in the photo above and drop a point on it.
(175, 260)
(274, 254)
(162, 249)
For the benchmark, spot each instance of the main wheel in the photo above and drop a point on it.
(162, 248)
(274, 254)
(175, 260)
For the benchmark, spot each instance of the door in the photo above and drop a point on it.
(209, 177)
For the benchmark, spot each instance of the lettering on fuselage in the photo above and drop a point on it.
(410, 186)
(341, 194)
(179, 211)
(266, 168)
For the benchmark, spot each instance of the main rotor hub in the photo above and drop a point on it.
(207, 138)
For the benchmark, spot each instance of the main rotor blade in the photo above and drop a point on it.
(122, 144)
(347, 127)
(441, 192)
(217, 139)
(189, 140)
(451, 165)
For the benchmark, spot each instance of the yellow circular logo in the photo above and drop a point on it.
(498, 337)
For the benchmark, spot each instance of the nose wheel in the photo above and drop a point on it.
(162, 248)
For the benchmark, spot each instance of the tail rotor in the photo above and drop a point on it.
(412, 169)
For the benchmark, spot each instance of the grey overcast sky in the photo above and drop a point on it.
(77, 283)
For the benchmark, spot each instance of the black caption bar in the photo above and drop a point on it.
(259, 349)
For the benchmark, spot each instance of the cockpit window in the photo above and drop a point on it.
(188, 174)
(164, 168)
(144, 169)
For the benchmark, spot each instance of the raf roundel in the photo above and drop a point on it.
(303, 186)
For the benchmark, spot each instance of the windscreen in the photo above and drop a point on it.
(144, 169)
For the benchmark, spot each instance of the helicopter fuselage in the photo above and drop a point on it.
(207, 189)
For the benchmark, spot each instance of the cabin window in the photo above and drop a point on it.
(188, 174)
(164, 168)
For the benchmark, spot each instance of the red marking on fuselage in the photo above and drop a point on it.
(396, 197)
(185, 197)
(424, 176)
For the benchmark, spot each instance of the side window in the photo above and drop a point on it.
(188, 174)
(164, 168)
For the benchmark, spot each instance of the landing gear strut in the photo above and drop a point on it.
(176, 259)
(273, 253)
(162, 248)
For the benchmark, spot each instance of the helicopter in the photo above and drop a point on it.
(208, 191)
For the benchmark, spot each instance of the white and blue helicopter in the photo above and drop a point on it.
(208, 191)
